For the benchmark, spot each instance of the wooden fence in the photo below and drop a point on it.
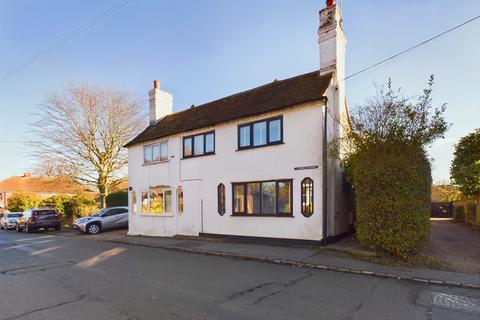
(467, 211)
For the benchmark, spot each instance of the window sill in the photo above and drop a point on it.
(156, 162)
(261, 146)
(199, 156)
(157, 215)
(270, 215)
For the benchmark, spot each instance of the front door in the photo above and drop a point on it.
(189, 220)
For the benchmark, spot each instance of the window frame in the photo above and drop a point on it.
(251, 131)
(180, 191)
(303, 197)
(259, 214)
(151, 145)
(165, 213)
(193, 155)
(221, 199)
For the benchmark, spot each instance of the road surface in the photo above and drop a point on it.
(48, 276)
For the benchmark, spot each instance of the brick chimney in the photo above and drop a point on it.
(161, 103)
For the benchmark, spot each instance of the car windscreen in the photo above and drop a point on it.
(43, 212)
(13, 215)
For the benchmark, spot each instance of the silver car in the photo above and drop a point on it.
(9, 220)
(107, 218)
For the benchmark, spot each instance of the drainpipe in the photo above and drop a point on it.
(324, 173)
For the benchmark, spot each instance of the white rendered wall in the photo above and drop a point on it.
(199, 177)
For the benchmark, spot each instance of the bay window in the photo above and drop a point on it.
(157, 200)
(263, 198)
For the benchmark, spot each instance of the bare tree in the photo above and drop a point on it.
(81, 131)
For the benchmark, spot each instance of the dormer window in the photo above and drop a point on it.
(154, 153)
(260, 133)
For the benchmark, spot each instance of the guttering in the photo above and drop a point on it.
(324, 173)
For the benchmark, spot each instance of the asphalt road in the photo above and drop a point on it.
(46, 276)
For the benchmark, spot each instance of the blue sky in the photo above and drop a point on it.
(203, 50)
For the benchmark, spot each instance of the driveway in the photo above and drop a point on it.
(456, 244)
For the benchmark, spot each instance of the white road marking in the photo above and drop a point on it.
(452, 301)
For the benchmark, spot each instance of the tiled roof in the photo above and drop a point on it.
(31, 184)
(270, 97)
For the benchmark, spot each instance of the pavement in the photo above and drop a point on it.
(306, 257)
(60, 276)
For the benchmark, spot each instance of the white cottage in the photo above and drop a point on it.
(252, 164)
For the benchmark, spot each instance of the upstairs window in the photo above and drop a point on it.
(260, 133)
(263, 198)
(155, 153)
(199, 145)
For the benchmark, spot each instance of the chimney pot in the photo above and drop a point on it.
(156, 84)
(330, 3)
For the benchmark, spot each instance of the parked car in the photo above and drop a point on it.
(107, 218)
(9, 220)
(34, 219)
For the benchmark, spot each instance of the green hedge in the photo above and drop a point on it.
(392, 185)
(116, 199)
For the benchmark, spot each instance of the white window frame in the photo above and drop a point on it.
(163, 214)
(151, 146)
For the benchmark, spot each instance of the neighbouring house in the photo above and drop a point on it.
(44, 187)
(252, 164)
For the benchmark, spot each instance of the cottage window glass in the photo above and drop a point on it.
(159, 200)
(275, 130)
(156, 201)
(144, 202)
(259, 133)
(147, 154)
(209, 143)
(198, 147)
(284, 197)
(238, 198)
(244, 136)
(253, 198)
(180, 200)
(155, 153)
(187, 147)
(307, 197)
(271, 198)
(163, 151)
(268, 197)
(221, 199)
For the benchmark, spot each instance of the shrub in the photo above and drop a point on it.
(392, 184)
(22, 201)
(70, 208)
(119, 198)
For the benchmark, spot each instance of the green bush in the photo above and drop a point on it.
(70, 208)
(116, 199)
(22, 201)
(392, 184)
(459, 213)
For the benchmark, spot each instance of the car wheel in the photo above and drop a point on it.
(93, 228)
